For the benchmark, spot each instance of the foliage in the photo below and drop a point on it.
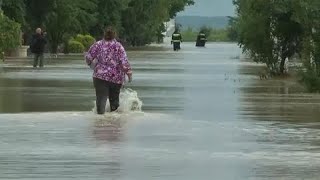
(9, 34)
(206, 30)
(161, 29)
(176, 6)
(85, 40)
(147, 16)
(213, 35)
(109, 13)
(311, 79)
(233, 29)
(267, 31)
(137, 22)
(58, 21)
(281, 30)
(75, 47)
(189, 35)
(15, 10)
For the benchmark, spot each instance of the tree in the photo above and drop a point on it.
(275, 36)
(36, 13)
(281, 30)
(143, 18)
(176, 6)
(161, 29)
(137, 21)
(61, 18)
(308, 15)
(232, 29)
(15, 10)
(109, 13)
(9, 34)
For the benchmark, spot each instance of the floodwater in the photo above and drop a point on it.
(205, 115)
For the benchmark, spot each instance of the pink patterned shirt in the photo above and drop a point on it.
(111, 61)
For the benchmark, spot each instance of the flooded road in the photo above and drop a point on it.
(205, 115)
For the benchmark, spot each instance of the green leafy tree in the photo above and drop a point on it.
(160, 32)
(109, 13)
(308, 15)
(142, 19)
(15, 10)
(176, 6)
(61, 18)
(232, 29)
(281, 30)
(9, 34)
(268, 33)
(137, 21)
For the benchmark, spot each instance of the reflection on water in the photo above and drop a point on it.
(278, 100)
(205, 115)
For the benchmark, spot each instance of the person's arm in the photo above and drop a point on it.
(44, 37)
(92, 53)
(126, 67)
(172, 39)
(43, 40)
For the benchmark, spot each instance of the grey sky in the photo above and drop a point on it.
(210, 8)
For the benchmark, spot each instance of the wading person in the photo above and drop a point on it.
(176, 40)
(109, 61)
(201, 39)
(37, 47)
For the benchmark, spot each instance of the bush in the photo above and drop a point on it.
(9, 34)
(85, 40)
(206, 30)
(311, 79)
(75, 47)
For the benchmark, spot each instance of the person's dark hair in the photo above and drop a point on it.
(109, 34)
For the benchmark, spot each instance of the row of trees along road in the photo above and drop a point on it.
(273, 31)
(137, 21)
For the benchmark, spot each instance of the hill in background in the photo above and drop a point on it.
(196, 22)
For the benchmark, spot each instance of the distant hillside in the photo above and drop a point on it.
(196, 22)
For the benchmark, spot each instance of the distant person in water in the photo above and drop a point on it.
(176, 40)
(37, 47)
(201, 39)
(109, 61)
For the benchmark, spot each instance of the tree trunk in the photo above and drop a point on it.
(282, 64)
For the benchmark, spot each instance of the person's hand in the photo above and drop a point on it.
(129, 77)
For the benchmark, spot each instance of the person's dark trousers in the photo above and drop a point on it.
(105, 90)
(176, 46)
(38, 57)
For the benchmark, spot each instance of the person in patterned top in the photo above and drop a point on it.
(110, 65)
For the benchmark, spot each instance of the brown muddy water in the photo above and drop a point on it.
(205, 115)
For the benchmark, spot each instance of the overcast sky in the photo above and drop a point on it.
(210, 8)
